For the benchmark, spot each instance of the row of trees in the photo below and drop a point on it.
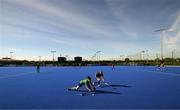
(127, 61)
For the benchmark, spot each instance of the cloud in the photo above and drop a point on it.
(68, 17)
(109, 25)
(125, 23)
(60, 24)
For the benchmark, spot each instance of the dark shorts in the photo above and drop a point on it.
(99, 75)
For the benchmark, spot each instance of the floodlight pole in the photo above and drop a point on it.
(162, 39)
(39, 58)
(53, 55)
(121, 57)
(11, 55)
(66, 57)
(173, 55)
(142, 55)
(98, 56)
(162, 36)
(147, 55)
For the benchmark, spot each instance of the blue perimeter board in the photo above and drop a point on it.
(139, 87)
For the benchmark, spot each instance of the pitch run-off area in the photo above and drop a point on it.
(130, 87)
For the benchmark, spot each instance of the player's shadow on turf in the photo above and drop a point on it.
(116, 86)
(112, 85)
(106, 92)
(98, 91)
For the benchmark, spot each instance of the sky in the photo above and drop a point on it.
(32, 28)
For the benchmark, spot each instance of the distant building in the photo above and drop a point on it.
(6, 59)
(61, 59)
(77, 59)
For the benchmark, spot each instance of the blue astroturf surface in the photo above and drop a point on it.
(139, 87)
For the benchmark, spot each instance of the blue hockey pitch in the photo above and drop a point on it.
(132, 87)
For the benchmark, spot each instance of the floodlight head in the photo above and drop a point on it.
(161, 30)
(98, 51)
(143, 51)
(53, 51)
(164, 30)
